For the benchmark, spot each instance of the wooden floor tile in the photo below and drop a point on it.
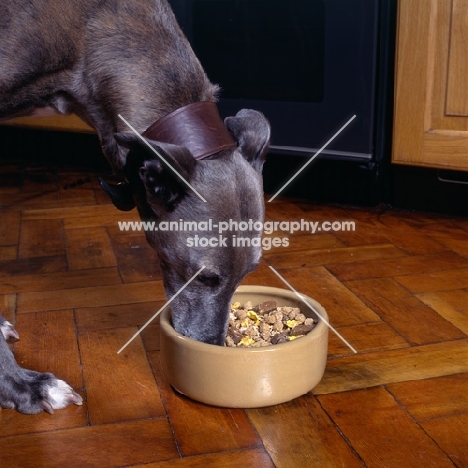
(116, 316)
(433, 398)
(20, 199)
(401, 266)
(300, 434)
(263, 275)
(411, 318)
(323, 256)
(74, 212)
(448, 234)
(48, 344)
(89, 248)
(8, 306)
(237, 459)
(25, 266)
(451, 435)
(381, 432)
(91, 296)
(200, 428)
(364, 233)
(365, 338)
(408, 238)
(58, 280)
(131, 392)
(437, 281)
(8, 252)
(342, 306)
(9, 227)
(13, 423)
(321, 212)
(111, 445)
(41, 238)
(297, 242)
(285, 211)
(137, 261)
(415, 363)
(452, 305)
(78, 287)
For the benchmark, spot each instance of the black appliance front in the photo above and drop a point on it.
(308, 65)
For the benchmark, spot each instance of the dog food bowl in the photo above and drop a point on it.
(240, 377)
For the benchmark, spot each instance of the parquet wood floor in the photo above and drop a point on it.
(77, 288)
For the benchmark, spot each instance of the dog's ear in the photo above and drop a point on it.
(251, 131)
(164, 169)
(120, 192)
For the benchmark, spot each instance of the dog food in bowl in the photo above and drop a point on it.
(247, 376)
(265, 324)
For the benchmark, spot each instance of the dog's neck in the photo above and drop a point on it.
(197, 126)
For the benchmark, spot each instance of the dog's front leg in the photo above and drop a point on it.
(28, 391)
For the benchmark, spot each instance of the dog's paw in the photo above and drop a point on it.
(7, 329)
(39, 392)
(57, 395)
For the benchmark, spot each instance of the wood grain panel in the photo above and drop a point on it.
(457, 91)
(424, 134)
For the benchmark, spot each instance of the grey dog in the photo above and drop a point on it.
(106, 60)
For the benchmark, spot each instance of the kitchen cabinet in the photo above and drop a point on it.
(431, 89)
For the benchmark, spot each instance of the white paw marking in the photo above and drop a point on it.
(8, 331)
(61, 395)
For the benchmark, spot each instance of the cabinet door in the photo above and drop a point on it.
(431, 101)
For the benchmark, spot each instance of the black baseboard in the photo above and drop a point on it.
(430, 190)
(323, 181)
(77, 150)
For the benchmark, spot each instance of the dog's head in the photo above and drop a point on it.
(204, 211)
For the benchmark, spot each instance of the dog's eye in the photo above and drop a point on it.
(208, 280)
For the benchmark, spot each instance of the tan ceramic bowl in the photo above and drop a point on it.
(247, 377)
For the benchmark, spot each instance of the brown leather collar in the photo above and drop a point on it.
(196, 126)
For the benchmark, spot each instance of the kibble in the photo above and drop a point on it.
(265, 324)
